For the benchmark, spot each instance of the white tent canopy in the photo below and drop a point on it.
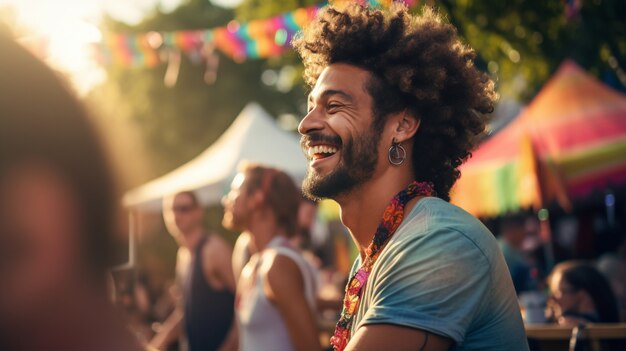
(253, 136)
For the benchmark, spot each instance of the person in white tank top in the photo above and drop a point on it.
(276, 291)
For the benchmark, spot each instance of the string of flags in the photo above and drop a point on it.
(255, 39)
(240, 41)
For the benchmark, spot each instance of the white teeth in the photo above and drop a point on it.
(321, 149)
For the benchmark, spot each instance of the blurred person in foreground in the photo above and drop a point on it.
(581, 295)
(396, 106)
(205, 277)
(276, 289)
(57, 225)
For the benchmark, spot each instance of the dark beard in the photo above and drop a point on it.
(357, 165)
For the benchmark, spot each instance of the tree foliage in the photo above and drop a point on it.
(177, 123)
(520, 42)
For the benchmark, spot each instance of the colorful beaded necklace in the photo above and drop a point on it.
(392, 218)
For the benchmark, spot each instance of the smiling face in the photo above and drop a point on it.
(338, 136)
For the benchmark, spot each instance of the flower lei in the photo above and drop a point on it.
(392, 218)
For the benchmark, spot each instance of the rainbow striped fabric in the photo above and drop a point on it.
(568, 142)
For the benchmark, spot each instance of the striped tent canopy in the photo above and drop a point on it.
(568, 142)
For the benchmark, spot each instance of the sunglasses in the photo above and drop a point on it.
(183, 208)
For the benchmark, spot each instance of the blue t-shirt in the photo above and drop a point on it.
(443, 272)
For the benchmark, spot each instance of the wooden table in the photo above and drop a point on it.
(591, 331)
(553, 337)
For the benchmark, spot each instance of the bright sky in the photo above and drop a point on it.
(71, 25)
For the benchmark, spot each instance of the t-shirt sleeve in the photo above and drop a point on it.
(435, 283)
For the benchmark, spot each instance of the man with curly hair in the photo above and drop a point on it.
(396, 106)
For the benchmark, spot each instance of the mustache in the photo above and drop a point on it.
(319, 137)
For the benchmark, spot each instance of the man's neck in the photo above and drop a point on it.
(363, 208)
(263, 228)
(193, 238)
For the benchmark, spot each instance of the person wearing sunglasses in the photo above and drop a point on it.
(204, 277)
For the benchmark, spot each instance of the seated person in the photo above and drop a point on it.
(581, 295)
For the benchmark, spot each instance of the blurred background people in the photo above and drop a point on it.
(581, 295)
(276, 289)
(205, 278)
(307, 211)
(57, 225)
(511, 241)
(313, 235)
(613, 266)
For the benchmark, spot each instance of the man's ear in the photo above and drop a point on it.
(406, 125)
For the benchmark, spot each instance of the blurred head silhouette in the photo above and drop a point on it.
(582, 294)
(183, 215)
(261, 191)
(57, 202)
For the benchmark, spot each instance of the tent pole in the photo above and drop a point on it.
(132, 237)
(546, 237)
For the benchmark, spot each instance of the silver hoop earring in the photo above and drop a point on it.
(397, 154)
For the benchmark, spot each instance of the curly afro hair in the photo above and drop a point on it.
(418, 64)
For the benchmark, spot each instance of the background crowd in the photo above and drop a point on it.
(61, 230)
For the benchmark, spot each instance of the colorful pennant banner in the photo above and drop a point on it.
(240, 41)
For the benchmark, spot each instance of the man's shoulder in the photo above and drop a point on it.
(435, 224)
(278, 266)
(444, 213)
(433, 215)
